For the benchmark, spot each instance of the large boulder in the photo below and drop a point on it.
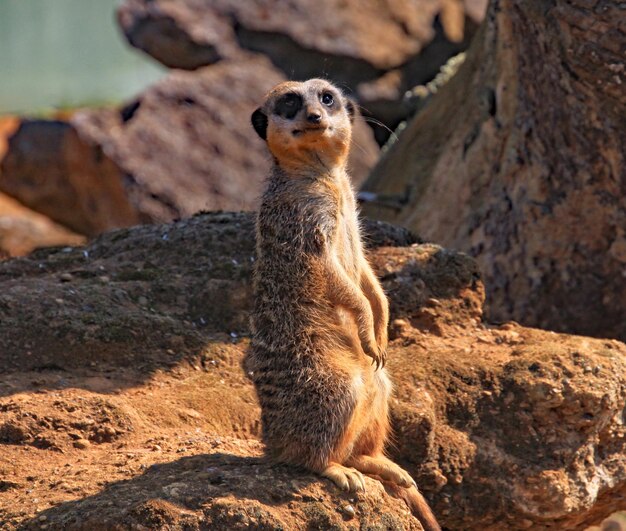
(184, 145)
(133, 359)
(520, 161)
(22, 230)
(378, 50)
(49, 168)
(305, 36)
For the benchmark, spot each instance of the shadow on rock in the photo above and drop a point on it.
(135, 299)
(225, 491)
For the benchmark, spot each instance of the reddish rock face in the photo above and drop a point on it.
(8, 126)
(184, 145)
(50, 169)
(520, 161)
(22, 230)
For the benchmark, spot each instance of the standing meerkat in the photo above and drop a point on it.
(320, 318)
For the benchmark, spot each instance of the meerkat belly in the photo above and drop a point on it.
(306, 405)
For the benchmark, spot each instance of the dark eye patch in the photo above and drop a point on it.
(288, 105)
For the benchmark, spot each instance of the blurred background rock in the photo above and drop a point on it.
(107, 137)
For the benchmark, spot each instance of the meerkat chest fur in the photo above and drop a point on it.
(308, 215)
(348, 246)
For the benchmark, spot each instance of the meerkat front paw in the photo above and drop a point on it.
(382, 337)
(369, 344)
(382, 355)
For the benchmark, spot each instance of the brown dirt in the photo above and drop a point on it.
(124, 405)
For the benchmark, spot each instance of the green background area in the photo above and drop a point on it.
(66, 53)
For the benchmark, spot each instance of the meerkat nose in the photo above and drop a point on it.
(314, 117)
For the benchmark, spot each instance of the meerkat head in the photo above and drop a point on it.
(306, 125)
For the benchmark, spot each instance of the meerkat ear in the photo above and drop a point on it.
(259, 122)
(351, 109)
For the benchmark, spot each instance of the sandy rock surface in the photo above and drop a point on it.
(22, 230)
(125, 402)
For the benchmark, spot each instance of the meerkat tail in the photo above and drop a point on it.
(417, 505)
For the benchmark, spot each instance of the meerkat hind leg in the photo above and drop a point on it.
(344, 477)
(383, 467)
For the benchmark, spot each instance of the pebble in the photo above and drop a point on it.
(66, 277)
(440, 479)
(82, 444)
(349, 511)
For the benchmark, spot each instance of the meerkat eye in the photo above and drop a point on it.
(327, 99)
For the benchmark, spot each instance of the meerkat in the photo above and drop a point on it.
(319, 323)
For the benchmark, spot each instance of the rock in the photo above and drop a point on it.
(529, 177)
(616, 522)
(249, 494)
(496, 424)
(523, 431)
(202, 267)
(22, 230)
(8, 126)
(185, 145)
(50, 169)
(81, 444)
(349, 511)
(176, 34)
(307, 38)
(303, 35)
